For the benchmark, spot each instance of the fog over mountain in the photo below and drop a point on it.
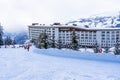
(19, 37)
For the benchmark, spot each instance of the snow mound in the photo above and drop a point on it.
(106, 57)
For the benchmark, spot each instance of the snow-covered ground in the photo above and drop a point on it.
(54, 64)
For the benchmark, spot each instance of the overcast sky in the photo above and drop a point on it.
(20, 13)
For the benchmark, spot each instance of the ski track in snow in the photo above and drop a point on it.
(19, 64)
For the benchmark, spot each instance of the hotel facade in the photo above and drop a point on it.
(106, 37)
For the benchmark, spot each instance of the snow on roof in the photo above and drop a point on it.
(77, 26)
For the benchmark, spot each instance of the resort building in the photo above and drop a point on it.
(105, 37)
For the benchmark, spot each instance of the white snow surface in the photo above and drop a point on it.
(55, 64)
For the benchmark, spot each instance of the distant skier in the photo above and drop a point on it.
(28, 47)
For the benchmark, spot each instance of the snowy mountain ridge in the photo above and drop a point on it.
(105, 20)
(19, 37)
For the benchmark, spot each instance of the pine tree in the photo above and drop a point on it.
(96, 47)
(74, 42)
(53, 42)
(106, 48)
(1, 40)
(45, 40)
(32, 41)
(8, 40)
(42, 40)
(1, 33)
(59, 44)
(13, 42)
(117, 49)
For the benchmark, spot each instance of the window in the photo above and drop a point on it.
(90, 37)
(86, 34)
(117, 32)
(82, 34)
(103, 38)
(103, 31)
(103, 35)
(94, 38)
(86, 37)
(108, 32)
(94, 32)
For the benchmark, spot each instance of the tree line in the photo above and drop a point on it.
(6, 41)
(44, 42)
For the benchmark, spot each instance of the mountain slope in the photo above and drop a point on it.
(19, 37)
(101, 20)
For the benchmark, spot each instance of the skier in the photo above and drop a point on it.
(28, 47)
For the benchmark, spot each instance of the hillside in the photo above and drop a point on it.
(105, 20)
(19, 37)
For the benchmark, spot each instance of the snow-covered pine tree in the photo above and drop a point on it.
(117, 48)
(59, 44)
(96, 47)
(8, 40)
(53, 41)
(33, 41)
(74, 42)
(106, 48)
(38, 44)
(45, 39)
(13, 42)
(1, 33)
(42, 40)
